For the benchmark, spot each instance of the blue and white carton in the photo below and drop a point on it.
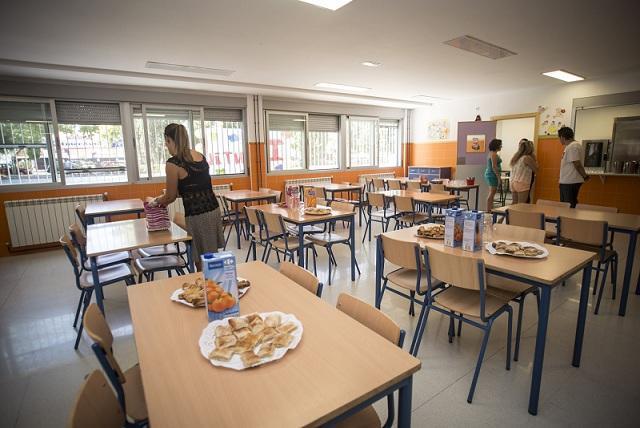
(221, 285)
(473, 228)
(453, 227)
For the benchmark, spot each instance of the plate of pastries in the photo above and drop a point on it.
(431, 231)
(192, 293)
(526, 250)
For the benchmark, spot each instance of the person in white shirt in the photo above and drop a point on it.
(523, 166)
(572, 173)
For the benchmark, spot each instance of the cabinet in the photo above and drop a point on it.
(431, 172)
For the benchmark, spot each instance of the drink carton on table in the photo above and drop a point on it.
(472, 231)
(221, 286)
(453, 227)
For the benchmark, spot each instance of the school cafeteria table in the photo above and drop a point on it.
(300, 219)
(333, 188)
(545, 274)
(338, 368)
(461, 186)
(427, 198)
(237, 197)
(105, 238)
(424, 186)
(628, 224)
(117, 206)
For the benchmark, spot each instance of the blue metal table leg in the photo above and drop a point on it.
(638, 285)
(89, 220)
(190, 260)
(378, 270)
(477, 195)
(352, 242)
(538, 359)
(582, 315)
(301, 245)
(626, 283)
(404, 404)
(237, 223)
(96, 284)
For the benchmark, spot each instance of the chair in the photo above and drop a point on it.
(505, 288)
(256, 233)
(393, 184)
(534, 220)
(84, 280)
(80, 242)
(590, 235)
(229, 219)
(95, 405)
(301, 277)
(405, 212)
(277, 193)
(279, 238)
(380, 323)
(81, 217)
(320, 192)
(600, 208)
(550, 228)
(148, 266)
(466, 299)
(438, 188)
(378, 211)
(378, 184)
(414, 186)
(127, 384)
(329, 239)
(176, 249)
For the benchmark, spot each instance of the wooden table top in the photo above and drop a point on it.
(245, 195)
(340, 187)
(421, 196)
(615, 220)
(338, 364)
(297, 216)
(128, 235)
(550, 270)
(452, 185)
(116, 206)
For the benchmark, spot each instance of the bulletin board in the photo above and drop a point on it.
(473, 141)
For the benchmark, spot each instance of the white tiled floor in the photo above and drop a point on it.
(40, 372)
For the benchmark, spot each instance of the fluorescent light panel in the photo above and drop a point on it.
(429, 98)
(340, 87)
(189, 68)
(371, 64)
(563, 75)
(328, 4)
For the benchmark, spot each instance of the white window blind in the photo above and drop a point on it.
(223, 115)
(22, 111)
(286, 122)
(323, 123)
(88, 113)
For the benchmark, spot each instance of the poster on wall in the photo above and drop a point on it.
(476, 143)
(551, 120)
(438, 129)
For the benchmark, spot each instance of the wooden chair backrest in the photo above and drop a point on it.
(553, 203)
(525, 219)
(403, 204)
(320, 193)
(376, 199)
(252, 216)
(518, 233)
(278, 194)
(601, 208)
(77, 234)
(378, 184)
(178, 219)
(300, 276)
(369, 316)
(98, 330)
(588, 232)
(400, 253)
(80, 213)
(454, 269)
(413, 185)
(96, 405)
(437, 188)
(224, 206)
(342, 206)
(393, 184)
(71, 252)
(273, 223)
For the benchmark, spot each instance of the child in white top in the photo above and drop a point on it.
(523, 166)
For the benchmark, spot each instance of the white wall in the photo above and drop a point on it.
(511, 131)
(558, 95)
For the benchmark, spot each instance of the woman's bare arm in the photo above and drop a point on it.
(171, 193)
(494, 164)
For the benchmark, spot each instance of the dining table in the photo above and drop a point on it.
(458, 186)
(237, 197)
(428, 199)
(339, 367)
(543, 273)
(619, 223)
(300, 219)
(332, 188)
(113, 207)
(127, 235)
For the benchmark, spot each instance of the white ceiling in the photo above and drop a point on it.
(284, 47)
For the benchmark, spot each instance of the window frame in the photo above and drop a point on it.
(400, 142)
(244, 142)
(305, 161)
(375, 142)
(340, 157)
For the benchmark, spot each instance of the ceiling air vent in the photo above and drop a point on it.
(189, 68)
(479, 47)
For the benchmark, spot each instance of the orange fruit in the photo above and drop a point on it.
(229, 301)
(218, 305)
(212, 296)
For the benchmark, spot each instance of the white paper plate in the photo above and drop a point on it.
(492, 250)
(440, 238)
(207, 342)
(175, 296)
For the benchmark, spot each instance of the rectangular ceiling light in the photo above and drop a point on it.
(563, 75)
(189, 68)
(325, 85)
(328, 4)
(479, 47)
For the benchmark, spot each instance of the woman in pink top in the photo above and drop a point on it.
(523, 166)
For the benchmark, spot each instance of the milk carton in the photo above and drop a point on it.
(453, 227)
(221, 287)
(473, 228)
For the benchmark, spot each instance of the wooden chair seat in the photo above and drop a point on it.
(109, 259)
(608, 253)
(291, 244)
(106, 275)
(96, 405)
(309, 229)
(388, 213)
(365, 418)
(503, 287)
(467, 302)
(406, 278)
(148, 264)
(550, 230)
(327, 238)
(163, 250)
(136, 404)
(414, 218)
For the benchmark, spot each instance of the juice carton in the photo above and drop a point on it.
(473, 228)
(453, 227)
(221, 287)
(310, 199)
(292, 196)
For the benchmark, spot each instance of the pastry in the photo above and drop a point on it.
(249, 359)
(221, 354)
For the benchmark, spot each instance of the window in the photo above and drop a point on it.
(323, 142)
(26, 143)
(223, 130)
(286, 141)
(389, 143)
(362, 141)
(91, 142)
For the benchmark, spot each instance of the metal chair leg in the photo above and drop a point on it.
(412, 311)
(452, 329)
(85, 305)
(422, 323)
(614, 276)
(75, 320)
(516, 351)
(604, 281)
(476, 373)
(595, 282)
(509, 332)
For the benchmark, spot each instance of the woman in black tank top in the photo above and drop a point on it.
(188, 176)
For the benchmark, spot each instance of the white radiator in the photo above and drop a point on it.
(310, 180)
(365, 177)
(178, 207)
(43, 221)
